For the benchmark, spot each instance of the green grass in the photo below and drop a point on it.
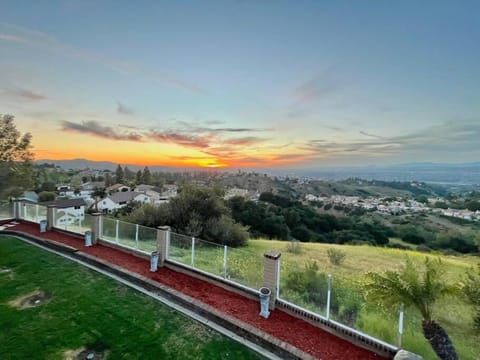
(88, 308)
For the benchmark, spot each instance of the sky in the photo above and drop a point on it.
(293, 84)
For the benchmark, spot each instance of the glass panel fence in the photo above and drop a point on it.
(180, 248)
(245, 267)
(126, 234)
(147, 239)
(303, 284)
(209, 257)
(30, 212)
(70, 220)
(108, 229)
(306, 285)
(41, 213)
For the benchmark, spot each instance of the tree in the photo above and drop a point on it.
(147, 176)
(16, 169)
(119, 174)
(46, 196)
(129, 174)
(139, 177)
(76, 182)
(420, 290)
(108, 180)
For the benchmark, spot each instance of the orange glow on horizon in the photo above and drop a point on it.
(157, 154)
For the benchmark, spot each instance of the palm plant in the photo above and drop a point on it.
(420, 290)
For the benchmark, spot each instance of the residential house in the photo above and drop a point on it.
(92, 185)
(230, 193)
(155, 193)
(119, 200)
(117, 188)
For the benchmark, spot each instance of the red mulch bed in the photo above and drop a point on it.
(292, 330)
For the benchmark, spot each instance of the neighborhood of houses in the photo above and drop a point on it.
(72, 204)
(390, 206)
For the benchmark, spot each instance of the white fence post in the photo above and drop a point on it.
(225, 261)
(329, 281)
(193, 251)
(116, 231)
(136, 236)
(400, 326)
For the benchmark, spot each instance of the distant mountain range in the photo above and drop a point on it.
(80, 164)
(452, 174)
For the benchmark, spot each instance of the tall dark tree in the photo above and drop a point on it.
(420, 289)
(129, 174)
(16, 169)
(119, 175)
(139, 177)
(146, 176)
(108, 179)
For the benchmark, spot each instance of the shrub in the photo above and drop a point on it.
(423, 248)
(336, 256)
(294, 247)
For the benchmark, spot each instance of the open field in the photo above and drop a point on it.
(83, 308)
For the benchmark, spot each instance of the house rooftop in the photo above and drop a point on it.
(65, 203)
(119, 197)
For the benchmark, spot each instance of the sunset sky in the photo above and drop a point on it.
(297, 84)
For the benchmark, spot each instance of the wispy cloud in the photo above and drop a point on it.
(181, 139)
(371, 135)
(98, 130)
(26, 94)
(123, 109)
(446, 137)
(11, 38)
(43, 41)
(317, 87)
(244, 141)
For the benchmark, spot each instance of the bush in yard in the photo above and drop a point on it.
(336, 256)
(310, 284)
(294, 247)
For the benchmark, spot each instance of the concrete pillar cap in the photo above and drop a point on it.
(274, 255)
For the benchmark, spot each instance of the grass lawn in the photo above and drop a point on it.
(88, 309)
